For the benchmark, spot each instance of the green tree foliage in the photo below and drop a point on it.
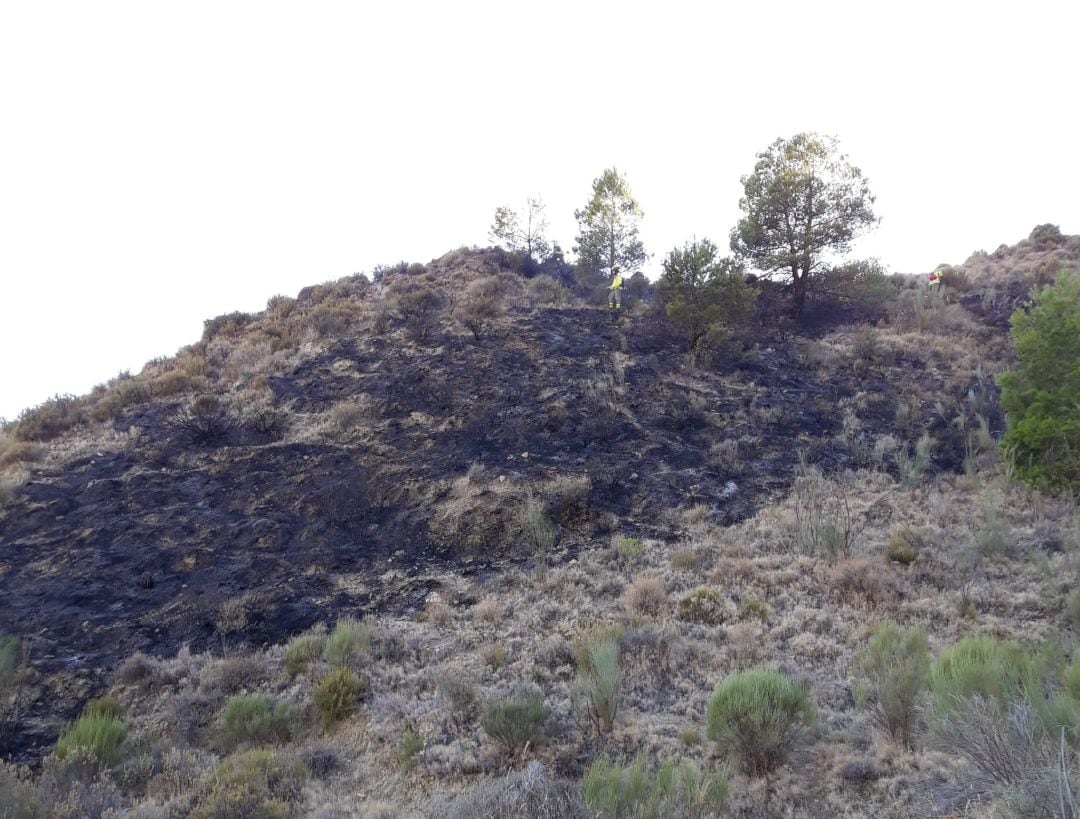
(1041, 396)
(524, 232)
(803, 201)
(705, 295)
(608, 228)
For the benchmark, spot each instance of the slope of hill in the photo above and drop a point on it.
(400, 449)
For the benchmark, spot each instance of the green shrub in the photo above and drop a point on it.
(630, 549)
(706, 605)
(409, 745)
(752, 607)
(597, 689)
(902, 547)
(459, 694)
(302, 651)
(256, 719)
(99, 736)
(594, 634)
(517, 722)
(890, 674)
(1041, 394)
(613, 791)
(337, 694)
(757, 715)
(106, 706)
(982, 665)
(348, 642)
(256, 784)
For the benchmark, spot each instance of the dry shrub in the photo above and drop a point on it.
(688, 560)
(647, 596)
(480, 306)
(345, 415)
(230, 675)
(458, 693)
(568, 498)
(206, 420)
(861, 580)
(438, 613)
(490, 610)
(417, 305)
(50, 419)
(705, 605)
(528, 794)
(545, 291)
(18, 452)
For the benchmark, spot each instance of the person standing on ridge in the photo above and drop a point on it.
(935, 277)
(615, 290)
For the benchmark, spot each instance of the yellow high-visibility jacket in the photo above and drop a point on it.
(617, 282)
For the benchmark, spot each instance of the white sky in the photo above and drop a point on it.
(161, 163)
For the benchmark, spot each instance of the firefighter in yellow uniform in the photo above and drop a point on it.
(935, 277)
(615, 290)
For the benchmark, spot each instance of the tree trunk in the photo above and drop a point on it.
(798, 294)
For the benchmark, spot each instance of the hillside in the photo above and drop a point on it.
(398, 449)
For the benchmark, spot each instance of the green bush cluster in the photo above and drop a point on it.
(516, 722)
(673, 789)
(302, 651)
(337, 694)
(890, 675)
(349, 642)
(1041, 394)
(261, 784)
(256, 719)
(100, 736)
(756, 715)
(10, 657)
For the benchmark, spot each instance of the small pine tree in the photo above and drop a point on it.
(706, 296)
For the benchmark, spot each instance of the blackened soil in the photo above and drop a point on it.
(137, 550)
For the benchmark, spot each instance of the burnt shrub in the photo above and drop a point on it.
(206, 420)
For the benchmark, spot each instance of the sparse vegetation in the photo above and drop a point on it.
(599, 684)
(890, 675)
(256, 783)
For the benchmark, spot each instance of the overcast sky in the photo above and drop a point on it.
(166, 162)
